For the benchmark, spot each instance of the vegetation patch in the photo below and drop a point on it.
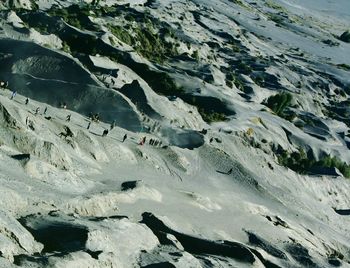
(278, 103)
(344, 66)
(212, 116)
(304, 163)
(277, 18)
(147, 40)
(211, 109)
(275, 6)
(75, 15)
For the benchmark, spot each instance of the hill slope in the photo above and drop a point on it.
(245, 110)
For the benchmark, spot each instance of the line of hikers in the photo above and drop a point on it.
(92, 117)
(153, 142)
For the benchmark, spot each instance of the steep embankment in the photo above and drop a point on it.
(245, 110)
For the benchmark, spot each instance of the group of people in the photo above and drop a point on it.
(94, 117)
(153, 142)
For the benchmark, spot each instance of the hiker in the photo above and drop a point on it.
(125, 137)
(37, 110)
(14, 93)
(143, 140)
(88, 127)
(45, 110)
(31, 124)
(67, 133)
(26, 102)
(97, 117)
(68, 118)
(113, 124)
(105, 132)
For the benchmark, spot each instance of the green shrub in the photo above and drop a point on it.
(229, 83)
(344, 66)
(147, 43)
(74, 15)
(212, 116)
(278, 19)
(302, 163)
(121, 34)
(329, 161)
(243, 68)
(34, 5)
(195, 55)
(278, 103)
(65, 47)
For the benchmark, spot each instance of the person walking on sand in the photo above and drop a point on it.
(113, 124)
(143, 140)
(125, 137)
(45, 110)
(26, 102)
(105, 132)
(27, 120)
(14, 93)
(37, 110)
(68, 118)
(88, 126)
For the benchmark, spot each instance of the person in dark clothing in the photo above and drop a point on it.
(105, 132)
(88, 126)
(68, 131)
(14, 93)
(68, 118)
(125, 137)
(26, 102)
(37, 110)
(45, 110)
(112, 125)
